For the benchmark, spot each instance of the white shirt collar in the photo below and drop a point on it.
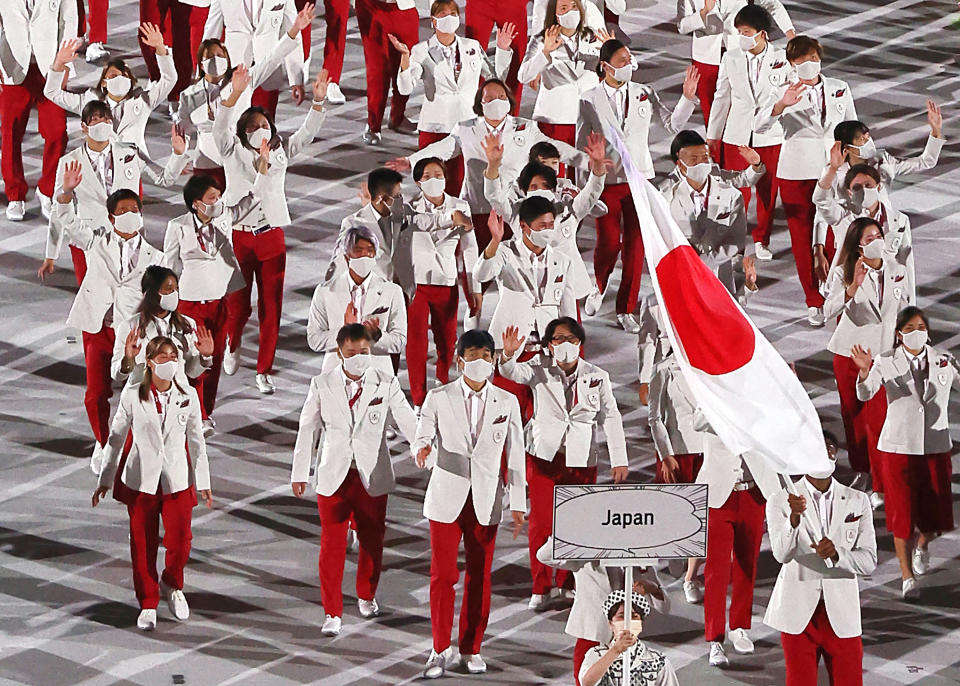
(467, 391)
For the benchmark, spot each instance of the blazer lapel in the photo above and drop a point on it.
(605, 110)
(367, 393)
(337, 393)
(490, 414)
(522, 271)
(459, 410)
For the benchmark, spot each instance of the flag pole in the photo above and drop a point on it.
(627, 621)
(815, 529)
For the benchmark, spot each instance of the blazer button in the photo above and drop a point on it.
(920, 410)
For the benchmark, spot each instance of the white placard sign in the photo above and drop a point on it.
(629, 522)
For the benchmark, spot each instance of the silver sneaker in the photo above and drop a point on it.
(265, 384)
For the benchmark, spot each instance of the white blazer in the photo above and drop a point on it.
(192, 363)
(383, 300)
(722, 470)
(459, 467)
(33, 38)
(448, 95)
(710, 37)
(158, 455)
(916, 422)
(565, 75)
(806, 141)
(804, 578)
(597, 114)
(737, 99)
(517, 135)
(521, 303)
(554, 428)
(351, 439)
(251, 41)
(205, 273)
(90, 197)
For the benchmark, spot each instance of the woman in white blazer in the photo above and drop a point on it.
(130, 104)
(451, 69)
(865, 293)
(914, 443)
(258, 240)
(158, 479)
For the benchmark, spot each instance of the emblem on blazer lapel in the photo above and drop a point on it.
(182, 418)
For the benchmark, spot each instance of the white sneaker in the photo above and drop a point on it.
(815, 316)
(231, 361)
(763, 252)
(265, 384)
(718, 658)
(353, 542)
(96, 459)
(628, 323)
(741, 641)
(389, 433)
(474, 663)
(592, 303)
(910, 589)
(331, 626)
(368, 608)
(46, 202)
(96, 52)
(569, 594)
(335, 96)
(921, 561)
(147, 621)
(876, 500)
(209, 427)
(437, 663)
(176, 601)
(16, 209)
(693, 591)
(538, 601)
(370, 137)
(470, 323)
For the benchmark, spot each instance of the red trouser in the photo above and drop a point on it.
(15, 108)
(433, 307)
(335, 14)
(453, 166)
(351, 500)
(305, 34)
(145, 513)
(797, 199)
(690, 464)
(79, 263)
(707, 87)
(580, 650)
(917, 493)
(482, 15)
(262, 257)
(766, 187)
(483, 231)
(843, 657)
(478, 545)
(97, 17)
(561, 132)
(98, 353)
(211, 314)
(542, 476)
(182, 26)
(734, 530)
(862, 421)
(376, 20)
(267, 99)
(621, 216)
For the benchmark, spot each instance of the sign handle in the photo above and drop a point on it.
(628, 622)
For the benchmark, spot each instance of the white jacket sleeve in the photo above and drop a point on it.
(720, 109)
(589, 196)
(688, 17)
(158, 90)
(612, 422)
(54, 92)
(926, 160)
(784, 539)
(197, 445)
(119, 428)
(867, 388)
(778, 12)
(488, 269)
(516, 461)
(303, 136)
(534, 61)
(401, 411)
(213, 27)
(518, 372)
(171, 249)
(861, 558)
(321, 334)
(394, 339)
(308, 434)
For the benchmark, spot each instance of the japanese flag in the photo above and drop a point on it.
(752, 399)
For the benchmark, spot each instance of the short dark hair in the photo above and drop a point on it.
(612, 612)
(244, 120)
(478, 100)
(382, 180)
(908, 313)
(861, 168)
(754, 16)
(123, 194)
(685, 139)
(533, 169)
(543, 150)
(798, 46)
(195, 188)
(421, 166)
(475, 338)
(576, 328)
(607, 51)
(846, 131)
(533, 207)
(93, 109)
(353, 332)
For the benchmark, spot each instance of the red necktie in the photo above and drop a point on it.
(203, 245)
(156, 398)
(356, 396)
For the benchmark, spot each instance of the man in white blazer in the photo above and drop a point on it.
(347, 408)
(31, 32)
(816, 607)
(468, 430)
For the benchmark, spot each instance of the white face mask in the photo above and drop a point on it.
(545, 237)
(433, 187)
(915, 340)
(448, 24)
(169, 301)
(357, 364)
(215, 66)
(478, 371)
(100, 132)
(165, 370)
(873, 250)
(867, 151)
(871, 196)
(570, 20)
(748, 43)
(128, 222)
(543, 193)
(118, 86)
(566, 352)
(496, 109)
(361, 266)
(213, 210)
(808, 70)
(623, 74)
(258, 137)
(698, 173)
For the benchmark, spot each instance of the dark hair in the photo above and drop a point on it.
(196, 187)
(152, 350)
(149, 308)
(117, 63)
(437, 5)
(478, 100)
(575, 328)
(532, 170)
(123, 194)
(475, 338)
(861, 168)
(607, 51)
(798, 46)
(685, 139)
(533, 207)
(95, 108)
(353, 332)
(244, 120)
(830, 436)
(908, 313)
(846, 131)
(201, 51)
(612, 612)
(543, 150)
(550, 19)
(382, 180)
(850, 250)
(754, 16)
(421, 166)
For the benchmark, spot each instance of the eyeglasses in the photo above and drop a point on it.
(557, 340)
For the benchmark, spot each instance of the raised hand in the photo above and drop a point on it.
(67, 53)
(505, 35)
(153, 36)
(204, 341)
(934, 118)
(177, 141)
(132, 345)
(860, 272)
(862, 358)
(792, 95)
(690, 81)
(240, 80)
(551, 39)
(400, 164)
(512, 341)
(836, 155)
(492, 149)
(708, 6)
(303, 20)
(422, 456)
(350, 314)
(364, 194)
(495, 224)
(596, 150)
(263, 158)
(749, 154)
(72, 176)
(320, 85)
(603, 35)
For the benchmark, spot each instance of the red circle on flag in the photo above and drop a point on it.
(714, 333)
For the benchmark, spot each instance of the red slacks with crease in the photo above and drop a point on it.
(376, 20)
(580, 650)
(917, 495)
(146, 511)
(483, 15)
(797, 199)
(97, 18)
(734, 531)
(707, 87)
(862, 421)
(211, 314)
(453, 167)
(15, 106)
(619, 231)
(479, 542)
(350, 501)
(542, 476)
(843, 657)
(432, 308)
(335, 15)
(182, 26)
(262, 258)
(98, 353)
(766, 188)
